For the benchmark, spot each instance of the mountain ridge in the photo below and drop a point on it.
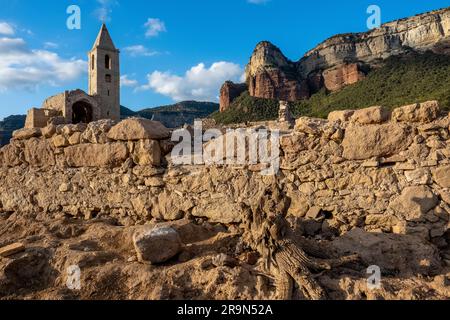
(341, 60)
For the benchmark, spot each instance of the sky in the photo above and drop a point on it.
(171, 50)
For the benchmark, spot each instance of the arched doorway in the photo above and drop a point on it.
(81, 112)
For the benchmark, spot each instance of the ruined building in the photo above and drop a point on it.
(103, 99)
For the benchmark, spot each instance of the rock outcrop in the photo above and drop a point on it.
(343, 59)
(229, 92)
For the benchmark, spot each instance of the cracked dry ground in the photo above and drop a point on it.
(411, 268)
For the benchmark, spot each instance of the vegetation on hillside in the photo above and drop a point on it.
(400, 81)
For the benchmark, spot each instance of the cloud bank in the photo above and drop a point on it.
(198, 83)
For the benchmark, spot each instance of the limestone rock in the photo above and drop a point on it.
(156, 244)
(343, 75)
(11, 156)
(365, 142)
(310, 126)
(442, 176)
(139, 129)
(271, 75)
(96, 155)
(49, 131)
(147, 152)
(39, 153)
(372, 115)
(24, 134)
(419, 112)
(60, 141)
(414, 202)
(229, 92)
(340, 115)
(96, 132)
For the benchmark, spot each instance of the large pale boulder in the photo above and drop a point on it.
(156, 244)
(442, 176)
(310, 125)
(340, 115)
(24, 134)
(365, 142)
(39, 152)
(372, 115)
(414, 202)
(418, 112)
(147, 152)
(139, 129)
(96, 132)
(96, 155)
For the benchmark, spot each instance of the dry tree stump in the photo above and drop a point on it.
(267, 231)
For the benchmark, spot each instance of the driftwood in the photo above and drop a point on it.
(268, 232)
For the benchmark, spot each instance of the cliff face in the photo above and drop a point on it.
(343, 59)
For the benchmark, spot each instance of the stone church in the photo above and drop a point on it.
(103, 99)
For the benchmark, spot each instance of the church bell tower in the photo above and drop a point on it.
(104, 75)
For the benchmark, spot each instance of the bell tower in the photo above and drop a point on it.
(104, 75)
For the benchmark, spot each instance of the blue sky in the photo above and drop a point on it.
(170, 50)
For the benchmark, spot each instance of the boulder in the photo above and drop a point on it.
(75, 138)
(49, 131)
(442, 176)
(372, 115)
(366, 142)
(340, 115)
(310, 126)
(96, 132)
(60, 141)
(170, 206)
(156, 244)
(414, 202)
(138, 129)
(147, 152)
(96, 155)
(418, 112)
(39, 153)
(24, 134)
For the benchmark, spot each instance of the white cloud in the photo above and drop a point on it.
(6, 29)
(139, 50)
(103, 12)
(154, 27)
(50, 45)
(198, 83)
(126, 82)
(258, 1)
(24, 68)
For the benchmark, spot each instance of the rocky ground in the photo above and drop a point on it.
(110, 270)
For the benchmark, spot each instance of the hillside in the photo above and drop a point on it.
(400, 80)
(179, 114)
(8, 125)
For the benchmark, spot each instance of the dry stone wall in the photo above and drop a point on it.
(368, 169)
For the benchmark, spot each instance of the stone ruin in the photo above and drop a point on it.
(285, 117)
(370, 181)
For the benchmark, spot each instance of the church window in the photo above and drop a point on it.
(92, 62)
(108, 78)
(108, 62)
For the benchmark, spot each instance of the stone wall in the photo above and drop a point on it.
(370, 169)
